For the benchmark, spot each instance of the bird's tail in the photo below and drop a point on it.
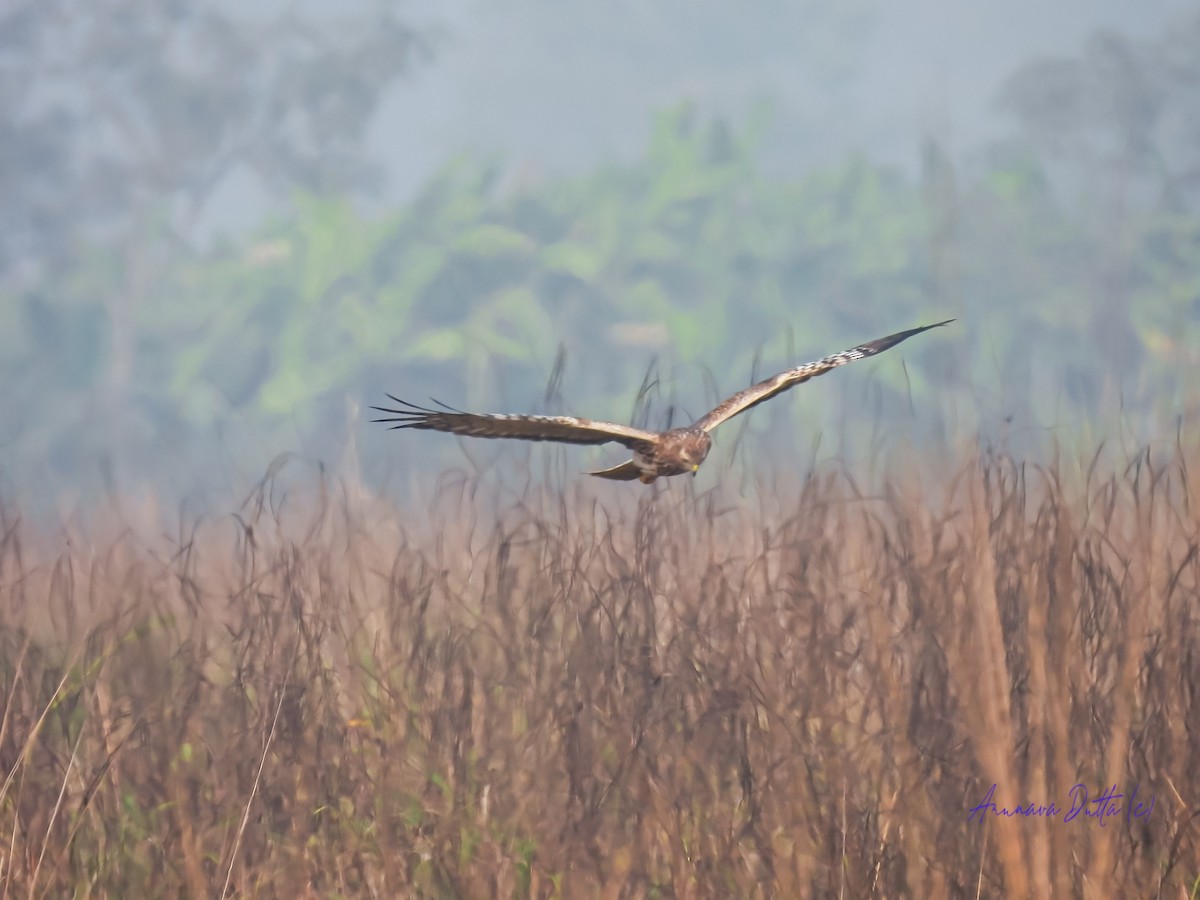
(626, 471)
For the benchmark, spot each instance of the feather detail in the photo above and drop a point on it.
(626, 471)
(563, 429)
(765, 390)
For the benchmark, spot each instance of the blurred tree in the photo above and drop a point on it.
(122, 117)
(121, 110)
(694, 252)
(1116, 131)
(1125, 114)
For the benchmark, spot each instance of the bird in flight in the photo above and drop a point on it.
(655, 453)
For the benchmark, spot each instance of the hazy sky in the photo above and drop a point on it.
(555, 87)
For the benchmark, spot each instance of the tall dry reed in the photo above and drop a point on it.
(650, 693)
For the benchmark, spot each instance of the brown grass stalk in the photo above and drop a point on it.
(592, 693)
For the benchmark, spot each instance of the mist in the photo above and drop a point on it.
(230, 233)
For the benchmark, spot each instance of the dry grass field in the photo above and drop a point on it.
(618, 693)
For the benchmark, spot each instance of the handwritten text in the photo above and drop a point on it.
(1108, 805)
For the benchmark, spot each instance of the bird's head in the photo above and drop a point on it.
(688, 446)
(693, 456)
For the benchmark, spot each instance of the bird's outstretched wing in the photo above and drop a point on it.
(765, 390)
(563, 429)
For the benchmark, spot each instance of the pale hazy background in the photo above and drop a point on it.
(225, 233)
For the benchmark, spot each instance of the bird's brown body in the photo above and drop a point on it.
(677, 451)
(655, 453)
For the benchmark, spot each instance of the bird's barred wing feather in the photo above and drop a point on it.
(563, 429)
(765, 390)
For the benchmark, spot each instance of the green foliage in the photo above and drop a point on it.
(692, 253)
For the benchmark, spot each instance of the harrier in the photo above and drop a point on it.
(655, 453)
